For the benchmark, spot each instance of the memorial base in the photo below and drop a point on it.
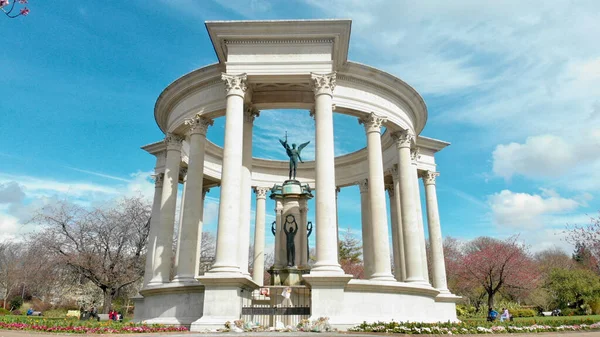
(289, 276)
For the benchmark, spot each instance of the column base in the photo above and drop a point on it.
(326, 269)
(223, 295)
(327, 298)
(387, 277)
(185, 280)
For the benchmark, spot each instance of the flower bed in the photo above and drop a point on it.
(469, 328)
(76, 326)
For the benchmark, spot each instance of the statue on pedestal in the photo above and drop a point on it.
(294, 154)
(289, 236)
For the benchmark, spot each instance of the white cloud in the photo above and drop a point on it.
(574, 159)
(524, 210)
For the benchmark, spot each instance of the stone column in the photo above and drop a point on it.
(379, 223)
(410, 225)
(182, 180)
(400, 272)
(154, 223)
(326, 218)
(258, 270)
(246, 191)
(190, 234)
(302, 249)
(199, 246)
(231, 177)
(415, 179)
(435, 234)
(337, 218)
(394, 226)
(367, 233)
(164, 236)
(279, 236)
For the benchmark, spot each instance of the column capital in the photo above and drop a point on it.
(311, 113)
(159, 178)
(261, 192)
(173, 141)
(372, 122)
(403, 139)
(429, 177)
(363, 186)
(393, 172)
(235, 84)
(204, 191)
(198, 125)
(182, 173)
(323, 83)
(390, 189)
(414, 155)
(250, 113)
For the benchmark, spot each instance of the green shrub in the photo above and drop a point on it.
(17, 312)
(595, 305)
(465, 311)
(4, 312)
(16, 302)
(522, 313)
(569, 312)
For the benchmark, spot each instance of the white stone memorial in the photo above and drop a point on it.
(293, 65)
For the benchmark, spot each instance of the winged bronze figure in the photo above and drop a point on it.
(294, 154)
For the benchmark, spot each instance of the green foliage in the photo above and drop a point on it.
(4, 312)
(465, 311)
(522, 312)
(350, 248)
(576, 286)
(16, 302)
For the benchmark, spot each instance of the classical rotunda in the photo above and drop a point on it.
(292, 65)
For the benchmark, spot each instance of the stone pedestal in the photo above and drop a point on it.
(293, 196)
(222, 298)
(290, 276)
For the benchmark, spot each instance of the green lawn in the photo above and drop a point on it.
(541, 320)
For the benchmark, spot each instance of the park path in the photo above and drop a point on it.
(10, 333)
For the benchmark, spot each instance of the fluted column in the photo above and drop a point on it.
(400, 271)
(199, 238)
(410, 230)
(231, 177)
(182, 180)
(164, 238)
(190, 234)
(258, 270)
(415, 179)
(246, 190)
(394, 225)
(381, 248)
(154, 224)
(438, 266)
(367, 232)
(326, 217)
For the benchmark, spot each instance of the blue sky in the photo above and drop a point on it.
(512, 85)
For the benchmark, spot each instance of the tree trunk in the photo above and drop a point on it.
(108, 296)
(490, 300)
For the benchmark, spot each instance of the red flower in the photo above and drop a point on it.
(3, 3)
(24, 11)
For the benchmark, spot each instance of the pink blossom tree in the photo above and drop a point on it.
(13, 11)
(586, 238)
(497, 265)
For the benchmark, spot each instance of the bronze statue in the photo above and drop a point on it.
(289, 236)
(294, 154)
(309, 228)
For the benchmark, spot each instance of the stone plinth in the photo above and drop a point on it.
(290, 276)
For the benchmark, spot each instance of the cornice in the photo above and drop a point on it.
(387, 83)
(175, 92)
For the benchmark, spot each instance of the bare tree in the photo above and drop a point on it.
(207, 252)
(10, 268)
(104, 245)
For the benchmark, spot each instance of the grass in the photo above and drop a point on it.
(543, 319)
